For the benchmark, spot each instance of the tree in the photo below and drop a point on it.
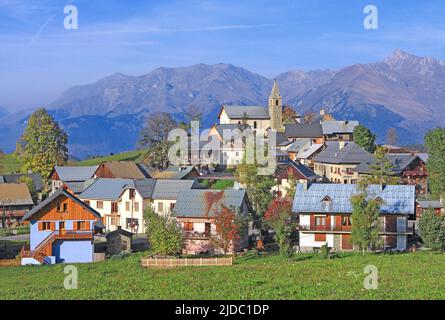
(309, 117)
(435, 143)
(381, 170)
(154, 136)
(289, 115)
(229, 228)
(279, 217)
(43, 144)
(365, 221)
(192, 113)
(31, 187)
(164, 233)
(391, 136)
(290, 188)
(364, 138)
(432, 230)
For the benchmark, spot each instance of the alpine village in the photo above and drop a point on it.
(333, 195)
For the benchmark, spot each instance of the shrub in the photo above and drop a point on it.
(432, 230)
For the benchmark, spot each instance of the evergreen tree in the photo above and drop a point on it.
(432, 230)
(435, 143)
(42, 145)
(364, 138)
(381, 170)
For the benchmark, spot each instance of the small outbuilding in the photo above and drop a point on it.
(119, 241)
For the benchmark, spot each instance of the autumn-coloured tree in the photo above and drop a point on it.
(309, 117)
(279, 217)
(229, 228)
(289, 115)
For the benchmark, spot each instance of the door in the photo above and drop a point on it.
(346, 242)
(62, 227)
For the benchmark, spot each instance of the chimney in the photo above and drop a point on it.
(382, 187)
(305, 185)
(322, 112)
(341, 145)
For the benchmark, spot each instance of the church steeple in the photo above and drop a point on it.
(276, 108)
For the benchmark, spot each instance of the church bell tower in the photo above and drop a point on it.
(276, 108)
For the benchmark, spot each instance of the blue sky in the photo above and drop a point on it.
(39, 58)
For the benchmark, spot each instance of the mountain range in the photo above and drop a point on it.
(405, 92)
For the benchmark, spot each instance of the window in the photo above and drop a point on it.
(132, 223)
(346, 221)
(131, 194)
(45, 226)
(160, 207)
(276, 102)
(188, 226)
(114, 207)
(58, 207)
(65, 207)
(100, 204)
(127, 205)
(320, 221)
(87, 202)
(254, 125)
(62, 225)
(82, 225)
(320, 237)
(136, 206)
(207, 228)
(113, 221)
(172, 205)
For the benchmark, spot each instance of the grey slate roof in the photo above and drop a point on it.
(106, 189)
(397, 199)
(75, 173)
(430, 204)
(229, 127)
(15, 178)
(399, 161)
(201, 203)
(252, 112)
(350, 153)
(169, 189)
(303, 130)
(54, 196)
(304, 170)
(79, 186)
(145, 187)
(332, 127)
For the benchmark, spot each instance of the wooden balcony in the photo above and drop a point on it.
(415, 173)
(348, 229)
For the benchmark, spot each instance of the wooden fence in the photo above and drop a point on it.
(9, 262)
(167, 262)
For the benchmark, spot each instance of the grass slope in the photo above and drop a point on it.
(306, 276)
(136, 156)
(9, 164)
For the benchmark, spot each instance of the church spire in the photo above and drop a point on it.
(275, 93)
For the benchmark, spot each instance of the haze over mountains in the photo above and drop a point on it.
(403, 91)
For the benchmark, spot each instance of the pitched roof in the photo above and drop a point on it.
(54, 196)
(305, 171)
(119, 231)
(15, 178)
(106, 189)
(399, 161)
(305, 153)
(201, 203)
(228, 130)
(15, 194)
(298, 144)
(75, 173)
(350, 153)
(169, 189)
(79, 186)
(397, 199)
(145, 187)
(430, 204)
(125, 169)
(173, 173)
(275, 92)
(303, 130)
(252, 112)
(331, 127)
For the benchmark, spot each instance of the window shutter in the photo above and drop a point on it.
(74, 225)
(52, 226)
(40, 226)
(312, 221)
(87, 225)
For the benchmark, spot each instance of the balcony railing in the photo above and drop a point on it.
(196, 235)
(348, 229)
(415, 173)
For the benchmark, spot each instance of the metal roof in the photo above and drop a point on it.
(201, 203)
(106, 189)
(303, 130)
(430, 204)
(397, 199)
(15, 178)
(350, 153)
(399, 161)
(15, 194)
(145, 187)
(305, 153)
(54, 196)
(252, 112)
(169, 189)
(75, 173)
(79, 186)
(298, 144)
(332, 127)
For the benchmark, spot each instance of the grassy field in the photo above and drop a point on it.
(136, 155)
(9, 164)
(306, 276)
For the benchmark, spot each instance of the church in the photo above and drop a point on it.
(258, 118)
